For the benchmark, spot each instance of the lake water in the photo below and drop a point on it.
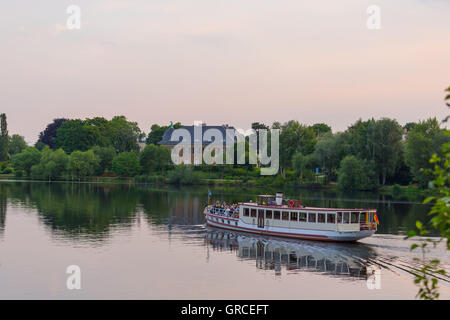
(143, 242)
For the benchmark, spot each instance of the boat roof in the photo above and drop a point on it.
(254, 204)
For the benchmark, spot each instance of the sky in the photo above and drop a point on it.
(223, 61)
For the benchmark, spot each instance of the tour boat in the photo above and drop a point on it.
(273, 216)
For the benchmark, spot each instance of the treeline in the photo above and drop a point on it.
(367, 155)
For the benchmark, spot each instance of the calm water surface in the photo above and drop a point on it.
(142, 242)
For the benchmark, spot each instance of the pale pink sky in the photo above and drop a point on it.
(223, 61)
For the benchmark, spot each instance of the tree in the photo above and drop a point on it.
(299, 164)
(426, 277)
(154, 158)
(53, 164)
(106, 156)
(329, 151)
(320, 129)
(126, 164)
(385, 135)
(424, 140)
(378, 141)
(4, 138)
(356, 174)
(124, 134)
(156, 133)
(295, 137)
(82, 164)
(49, 134)
(16, 144)
(75, 135)
(26, 159)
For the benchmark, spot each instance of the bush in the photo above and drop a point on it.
(7, 170)
(183, 175)
(126, 164)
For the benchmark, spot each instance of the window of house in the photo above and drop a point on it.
(276, 215)
(268, 214)
(311, 217)
(285, 215)
(321, 217)
(294, 216)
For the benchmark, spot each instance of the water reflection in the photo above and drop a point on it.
(92, 211)
(334, 259)
(3, 205)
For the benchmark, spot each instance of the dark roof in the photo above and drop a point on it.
(168, 134)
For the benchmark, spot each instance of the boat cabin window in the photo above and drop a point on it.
(268, 214)
(354, 217)
(339, 217)
(321, 217)
(346, 217)
(371, 217)
(363, 217)
(276, 215)
(293, 216)
(261, 213)
(302, 216)
(253, 212)
(331, 218)
(246, 212)
(285, 215)
(311, 217)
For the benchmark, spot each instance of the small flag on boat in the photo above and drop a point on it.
(376, 218)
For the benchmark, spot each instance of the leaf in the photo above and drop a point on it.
(419, 225)
(411, 233)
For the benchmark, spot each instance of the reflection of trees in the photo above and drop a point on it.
(93, 209)
(3, 199)
(79, 209)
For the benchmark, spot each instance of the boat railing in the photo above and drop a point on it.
(228, 212)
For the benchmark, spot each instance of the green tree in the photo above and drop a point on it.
(424, 140)
(356, 174)
(106, 156)
(320, 129)
(295, 137)
(156, 133)
(126, 164)
(75, 135)
(26, 159)
(154, 158)
(385, 137)
(16, 144)
(46, 137)
(82, 164)
(4, 138)
(426, 277)
(329, 152)
(125, 134)
(53, 164)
